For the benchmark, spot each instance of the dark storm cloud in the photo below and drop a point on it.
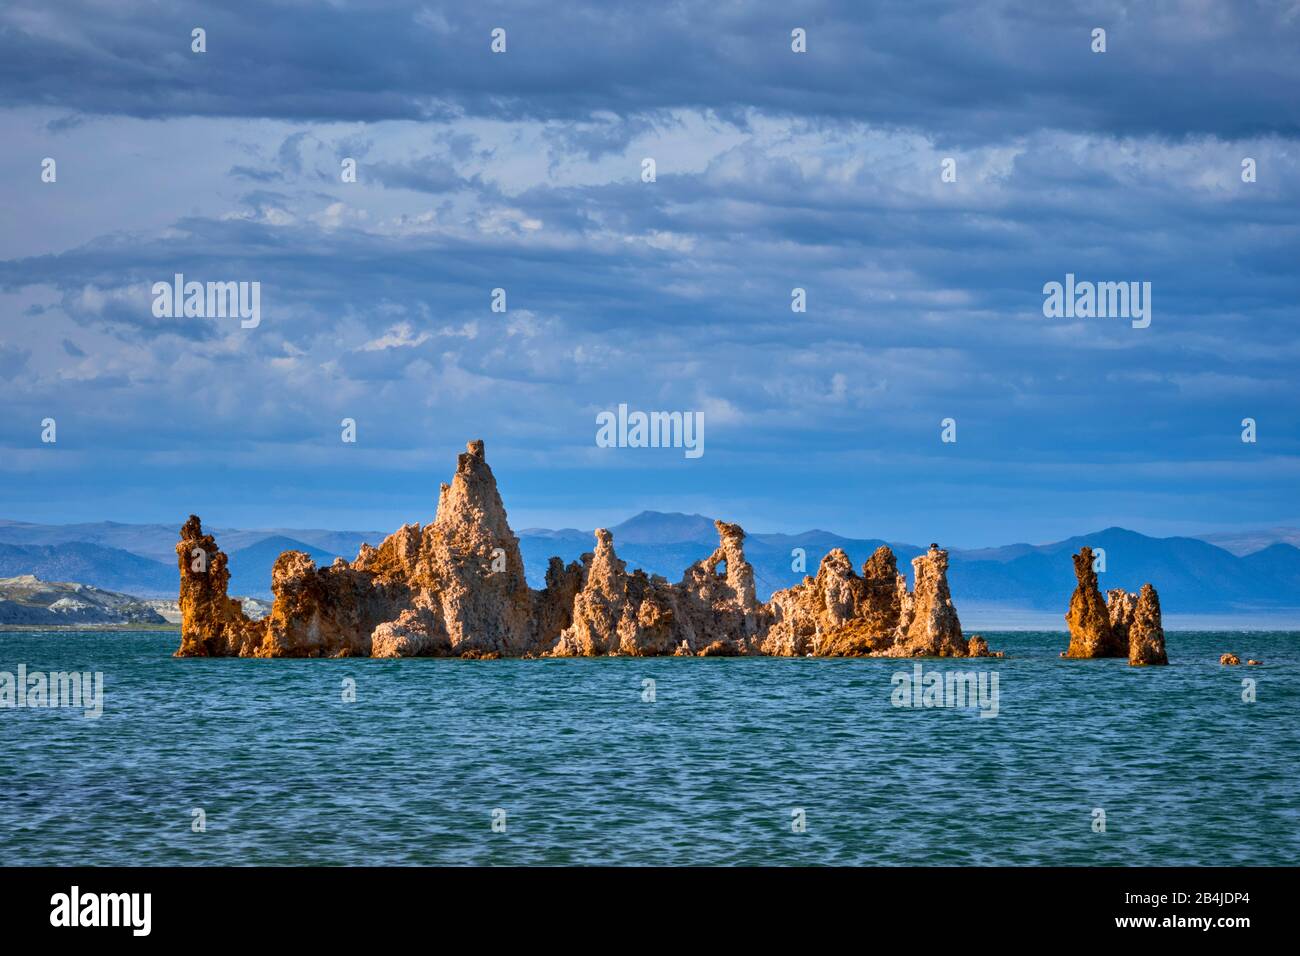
(426, 175)
(964, 72)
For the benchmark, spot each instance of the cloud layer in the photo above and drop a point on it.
(774, 171)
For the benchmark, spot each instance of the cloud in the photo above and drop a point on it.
(399, 336)
(972, 73)
(428, 175)
(12, 360)
(523, 172)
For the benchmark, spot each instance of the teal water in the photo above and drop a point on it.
(410, 773)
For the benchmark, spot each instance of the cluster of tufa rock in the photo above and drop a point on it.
(1122, 624)
(456, 588)
(1232, 659)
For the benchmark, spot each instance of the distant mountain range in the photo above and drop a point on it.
(1192, 575)
(1256, 572)
(113, 569)
(158, 541)
(1248, 542)
(141, 558)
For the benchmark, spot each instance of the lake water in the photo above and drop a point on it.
(586, 771)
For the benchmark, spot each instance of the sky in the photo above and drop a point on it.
(774, 170)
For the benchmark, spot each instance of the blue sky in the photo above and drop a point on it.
(775, 170)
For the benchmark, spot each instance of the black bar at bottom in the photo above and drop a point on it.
(329, 906)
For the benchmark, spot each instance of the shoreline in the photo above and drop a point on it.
(72, 628)
(983, 628)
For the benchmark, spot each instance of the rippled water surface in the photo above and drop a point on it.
(411, 772)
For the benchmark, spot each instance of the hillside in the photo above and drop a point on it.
(112, 569)
(250, 567)
(27, 600)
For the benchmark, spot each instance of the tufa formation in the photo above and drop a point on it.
(456, 588)
(1122, 624)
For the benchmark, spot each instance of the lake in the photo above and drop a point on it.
(733, 761)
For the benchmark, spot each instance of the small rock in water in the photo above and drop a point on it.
(1229, 658)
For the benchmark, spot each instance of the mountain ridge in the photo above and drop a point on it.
(1194, 575)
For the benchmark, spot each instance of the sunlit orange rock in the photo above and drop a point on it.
(1088, 618)
(1146, 637)
(456, 587)
(212, 624)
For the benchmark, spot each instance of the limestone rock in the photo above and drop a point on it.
(839, 614)
(1122, 624)
(396, 559)
(805, 616)
(877, 605)
(1120, 605)
(619, 613)
(326, 612)
(1146, 636)
(600, 606)
(212, 624)
(885, 590)
(978, 646)
(720, 649)
(472, 558)
(716, 600)
(1091, 634)
(418, 631)
(553, 605)
(928, 625)
(456, 587)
